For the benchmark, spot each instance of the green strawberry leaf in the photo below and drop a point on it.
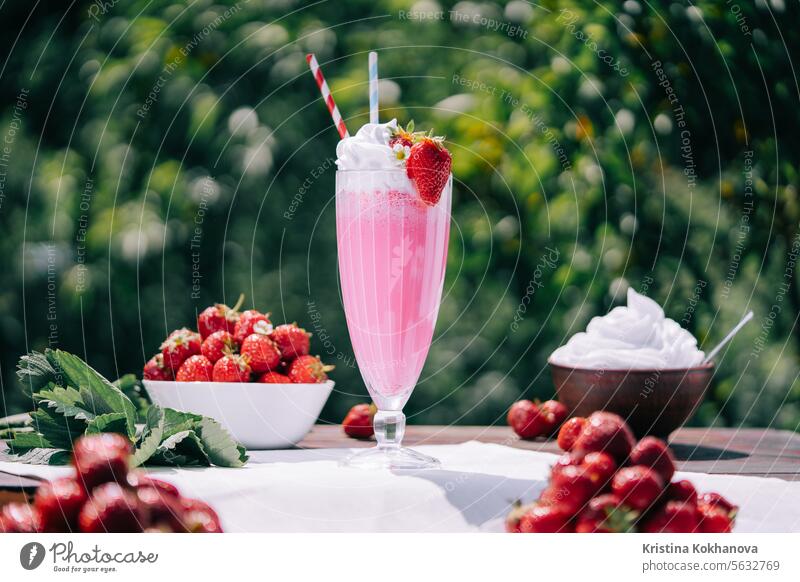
(35, 371)
(182, 448)
(220, 447)
(57, 430)
(72, 400)
(100, 395)
(39, 456)
(109, 422)
(66, 401)
(152, 436)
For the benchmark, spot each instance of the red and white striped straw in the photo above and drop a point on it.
(326, 95)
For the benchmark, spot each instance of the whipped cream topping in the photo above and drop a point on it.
(638, 336)
(368, 149)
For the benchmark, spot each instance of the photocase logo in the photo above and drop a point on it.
(31, 555)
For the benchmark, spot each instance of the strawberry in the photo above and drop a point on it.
(251, 321)
(198, 517)
(515, 515)
(217, 345)
(274, 378)
(569, 432)
(110, 509)
(717, 500)
(155, 369)
(428, 167)
(232, 368)
(219, 317)
(138, 480)
(292, 341)
(178, 346)
(714, 519)
(567, 460)
(672, 517)
(308, 370)
(555, 414)
(101, 458)
(546, 519)
(261, 352)
(59, 503)
(571, 488)
(358, 422)
(637, 487)
(195, 369)
(158, 509)
(600, 467)
(527, 419)
(654, 453)
(19, 518)
(607, 432)
(682, 491)
(605, 514)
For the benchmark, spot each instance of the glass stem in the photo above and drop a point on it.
(390, 426)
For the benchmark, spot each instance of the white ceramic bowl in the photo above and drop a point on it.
(259, 416)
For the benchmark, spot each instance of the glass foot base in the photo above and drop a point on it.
(390, 458)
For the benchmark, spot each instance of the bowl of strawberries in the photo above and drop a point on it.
(258, 380)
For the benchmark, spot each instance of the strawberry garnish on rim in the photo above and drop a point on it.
(428, 167)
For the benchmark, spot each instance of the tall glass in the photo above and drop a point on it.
(392, 256)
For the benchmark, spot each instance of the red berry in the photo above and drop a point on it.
(101, 458)
(571, 487)
(195, 369)
(308, 370)
(111, 509)
(555, 414)
(59, 503)
(19, 518)
(218, 317)
(606, 432)
(180, 344)
(217, 345)
(527, 420)
(600, 467)
(274, 378)
(251, 321)
(682, 491)
(654, 453)
(428, 167)
(233, 368)
(155, 369)
(672, 517)
(605, 514)
(570, 431)
(637, 487)
(137, 480)
(546, 519)
(261, 352)
(358, 422)
(515, 515)
(716, 500)
(198, 517)
(714, 519)
(566, 460)
(292, 341)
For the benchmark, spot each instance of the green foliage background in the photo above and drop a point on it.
(101, 198)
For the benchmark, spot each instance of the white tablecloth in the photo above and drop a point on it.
(306, 490)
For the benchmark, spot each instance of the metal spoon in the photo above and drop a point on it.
(728, 337)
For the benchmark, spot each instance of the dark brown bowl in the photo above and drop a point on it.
(653, 402)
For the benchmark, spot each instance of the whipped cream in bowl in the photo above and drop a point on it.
(633, 337)
(636, 362)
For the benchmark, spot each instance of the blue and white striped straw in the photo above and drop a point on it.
(373, 87)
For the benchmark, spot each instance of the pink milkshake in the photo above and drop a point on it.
(392, 248)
